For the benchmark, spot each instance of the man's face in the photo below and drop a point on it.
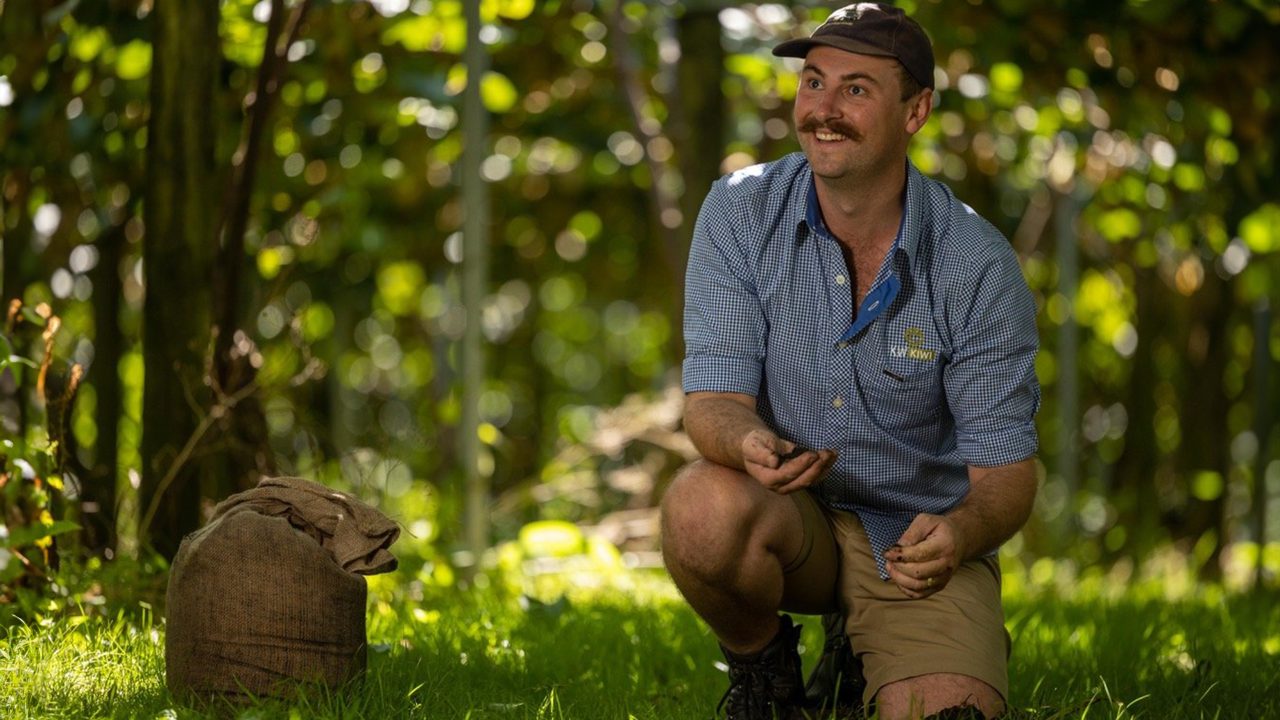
(850, 119)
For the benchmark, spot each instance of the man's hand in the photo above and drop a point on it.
(931, 550)
(777, 464)
(926, 556)
(726, 429)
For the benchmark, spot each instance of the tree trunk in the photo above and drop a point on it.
(700, 109)
(244, 454)
(1066, 214)
(475, 275)
(15, 237)
(1135, 471)
(178, 248)
(98, 491)
(23, 35)
(665, 216)
(1204, 444)
(1263, 416)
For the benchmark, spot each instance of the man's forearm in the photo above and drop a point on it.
(717, 423)
(997, 506)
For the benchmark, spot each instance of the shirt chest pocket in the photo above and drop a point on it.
(904, 398)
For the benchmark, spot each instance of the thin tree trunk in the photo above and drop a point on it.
(664, 206)
(15, 239)
(1263, 416)
(1066, 212)
(699, 107)
(1139, 462)
(1204, 410)
(697, 112)
(474, 281)
(98, 492)
(245, 453)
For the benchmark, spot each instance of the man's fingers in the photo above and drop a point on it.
(803, 470)
(765, 475)
(918, 530)
(921, 528)
(922, 570)
(818, 462)
(805, 479)
(764, 455)
(917, 586)
(921, 563)
(759, 450)
(930, 548)
(773, 478)
(796, 458)
(912, 586)
(795, 452)
(769, 451)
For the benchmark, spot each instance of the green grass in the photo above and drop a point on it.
(633, 650)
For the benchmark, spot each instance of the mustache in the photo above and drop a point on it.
(812, 125)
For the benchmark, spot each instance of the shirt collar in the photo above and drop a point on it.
(912, 213)
(812, 212)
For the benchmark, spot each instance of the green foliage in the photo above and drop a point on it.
(31, 467)
(133, 61)
(1260, 230)
(1153, 118)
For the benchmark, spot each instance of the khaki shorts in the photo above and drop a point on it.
(959, 629)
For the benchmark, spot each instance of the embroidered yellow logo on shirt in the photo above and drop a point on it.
(914, 348)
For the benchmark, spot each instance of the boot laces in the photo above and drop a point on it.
(750, 693)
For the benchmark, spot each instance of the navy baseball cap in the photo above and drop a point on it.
(871, 29)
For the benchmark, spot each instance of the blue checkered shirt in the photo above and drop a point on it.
(935, 372)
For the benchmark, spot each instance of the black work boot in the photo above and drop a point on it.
(766, 685)
(836, 681)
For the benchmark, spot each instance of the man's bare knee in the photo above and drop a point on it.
(926, 695)
(703, 491)
(707, 516)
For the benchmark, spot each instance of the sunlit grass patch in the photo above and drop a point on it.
(81, 667)
(1141, 657)
(1156, 644)
(631, 648)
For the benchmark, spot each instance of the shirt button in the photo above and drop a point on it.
(839, 279)
(838, 402)
(842, 344)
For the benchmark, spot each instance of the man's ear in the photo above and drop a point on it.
(918, 110)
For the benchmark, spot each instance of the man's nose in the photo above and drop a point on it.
(826, 107)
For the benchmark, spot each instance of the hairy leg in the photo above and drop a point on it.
(925, 695)
(725, 540)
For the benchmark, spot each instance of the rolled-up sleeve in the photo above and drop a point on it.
(724, 323)
(990, 381)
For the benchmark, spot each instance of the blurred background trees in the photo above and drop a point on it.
(249, 225)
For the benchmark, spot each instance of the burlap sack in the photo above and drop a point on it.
(257, 601)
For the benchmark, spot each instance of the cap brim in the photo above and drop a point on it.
(800, 48)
